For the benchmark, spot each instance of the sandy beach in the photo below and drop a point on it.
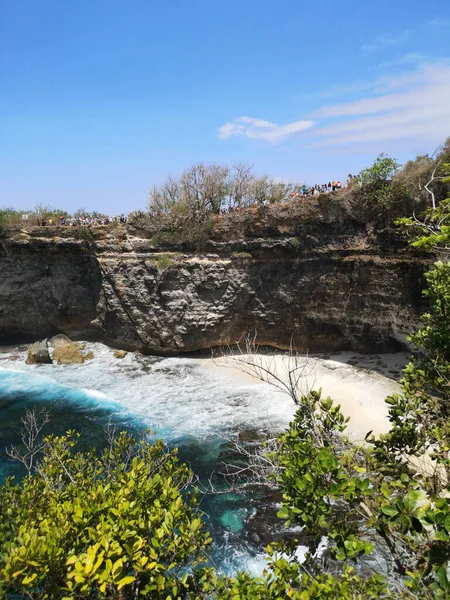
(359, 383)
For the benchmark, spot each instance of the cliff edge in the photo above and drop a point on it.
(329, 281)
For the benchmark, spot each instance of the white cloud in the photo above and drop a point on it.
(386, 40)
(258, 129)
(405, 106)
(412, 105)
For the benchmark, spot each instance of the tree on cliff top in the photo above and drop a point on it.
(181, 210)
(209, 188)
(431, 228)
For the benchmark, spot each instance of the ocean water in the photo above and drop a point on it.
(188, 404)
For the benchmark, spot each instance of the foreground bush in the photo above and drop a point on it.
(119, 526)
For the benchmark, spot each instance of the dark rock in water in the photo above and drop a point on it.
(250, 435)
(38, 354)
(263, 526)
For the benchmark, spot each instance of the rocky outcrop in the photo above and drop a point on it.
(59, 350)
(330, 282)
(66, 352)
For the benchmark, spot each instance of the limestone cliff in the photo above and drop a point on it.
(331, 282)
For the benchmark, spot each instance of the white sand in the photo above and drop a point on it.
(359, 387)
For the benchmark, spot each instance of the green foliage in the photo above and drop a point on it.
(164, 261)
(241, 255)
(294, 243)
(10, 217)
(319, 467)
(375, 181)
(425, 383)
(83, 233)
(382, 170)
(121, 525)
(431, 229)
(284, 579)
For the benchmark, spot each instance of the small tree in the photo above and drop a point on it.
(382, 170)
(375, 181)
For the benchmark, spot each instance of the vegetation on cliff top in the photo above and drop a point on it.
(183, 211)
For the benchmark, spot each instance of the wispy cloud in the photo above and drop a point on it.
(385, 83)
(258, 129)
(439, 23)
(410, 58)
(417, 104)
(385, 40)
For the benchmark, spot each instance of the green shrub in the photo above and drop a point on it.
(241, 256)
(294, 243)
(117, 526)
(164, 261)
(83, 233)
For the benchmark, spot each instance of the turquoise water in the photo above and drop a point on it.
(189, 404)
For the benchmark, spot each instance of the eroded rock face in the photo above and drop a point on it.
(47, 286)
(325, 302)
(330, 284)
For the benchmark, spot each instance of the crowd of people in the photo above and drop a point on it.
(324, 188)
(83, 220)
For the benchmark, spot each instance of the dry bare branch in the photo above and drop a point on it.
(33, 442)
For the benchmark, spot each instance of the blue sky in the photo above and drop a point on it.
(100, 99)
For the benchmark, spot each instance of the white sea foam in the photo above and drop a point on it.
(178, 396)
(189, 397)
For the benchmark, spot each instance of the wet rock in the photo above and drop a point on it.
(66, 352)
(58, 340)
(264, 526)
(120, 354)
(250, 435)
(89, 355)
(38, 354)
